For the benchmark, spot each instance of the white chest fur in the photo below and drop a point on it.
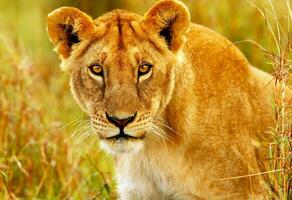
(136, 181)
(145, 179)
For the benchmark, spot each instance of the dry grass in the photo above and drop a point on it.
(280, 151)
(38, 158)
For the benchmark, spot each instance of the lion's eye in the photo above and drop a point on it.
(144, 69)
(95, 70)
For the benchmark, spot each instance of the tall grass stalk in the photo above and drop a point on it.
(279, 55)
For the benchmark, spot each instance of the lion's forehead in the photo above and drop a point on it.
(104, 55)
(116, 14)
(120, 48)
(119, 32)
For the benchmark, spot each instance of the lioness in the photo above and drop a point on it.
(177, 105)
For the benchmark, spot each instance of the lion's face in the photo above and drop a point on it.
(122, 81)
(121, 74)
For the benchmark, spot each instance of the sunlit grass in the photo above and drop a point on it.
(280, 57)
(37, 157)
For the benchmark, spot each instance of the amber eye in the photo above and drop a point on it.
(144, 69)
(96, 70)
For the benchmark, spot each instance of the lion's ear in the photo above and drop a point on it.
(67, 26)
(169, 19)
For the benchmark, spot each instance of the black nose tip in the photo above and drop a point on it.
(121, 123)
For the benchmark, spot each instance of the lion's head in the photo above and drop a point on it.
(122, 67)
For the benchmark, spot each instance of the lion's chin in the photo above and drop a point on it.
(118, 146)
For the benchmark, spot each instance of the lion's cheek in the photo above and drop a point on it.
(155, 104)
(167, 90)
(75, 90)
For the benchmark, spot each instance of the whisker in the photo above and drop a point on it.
(166, 125)
(81, 134)
(155, 129)
(72, 123)
(76, 130)
(102, 128)
(160, 132)
(138, 128)
(84, 136)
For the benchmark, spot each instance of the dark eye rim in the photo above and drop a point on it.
(144, 73)
(93, 72)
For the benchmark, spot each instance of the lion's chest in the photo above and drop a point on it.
(143, 180)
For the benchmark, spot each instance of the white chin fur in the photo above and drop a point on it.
(122, 146)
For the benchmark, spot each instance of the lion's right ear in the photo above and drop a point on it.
(67, 26)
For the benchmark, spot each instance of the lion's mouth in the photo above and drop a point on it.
(123, 136)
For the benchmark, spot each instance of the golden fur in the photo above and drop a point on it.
(202, 113)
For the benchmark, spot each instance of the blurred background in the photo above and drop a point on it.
(43, 151)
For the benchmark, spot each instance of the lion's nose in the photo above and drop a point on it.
(121, 123)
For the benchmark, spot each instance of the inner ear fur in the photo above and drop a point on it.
(67, 26)
(168, 19)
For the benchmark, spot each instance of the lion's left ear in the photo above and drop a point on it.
(169, 19)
